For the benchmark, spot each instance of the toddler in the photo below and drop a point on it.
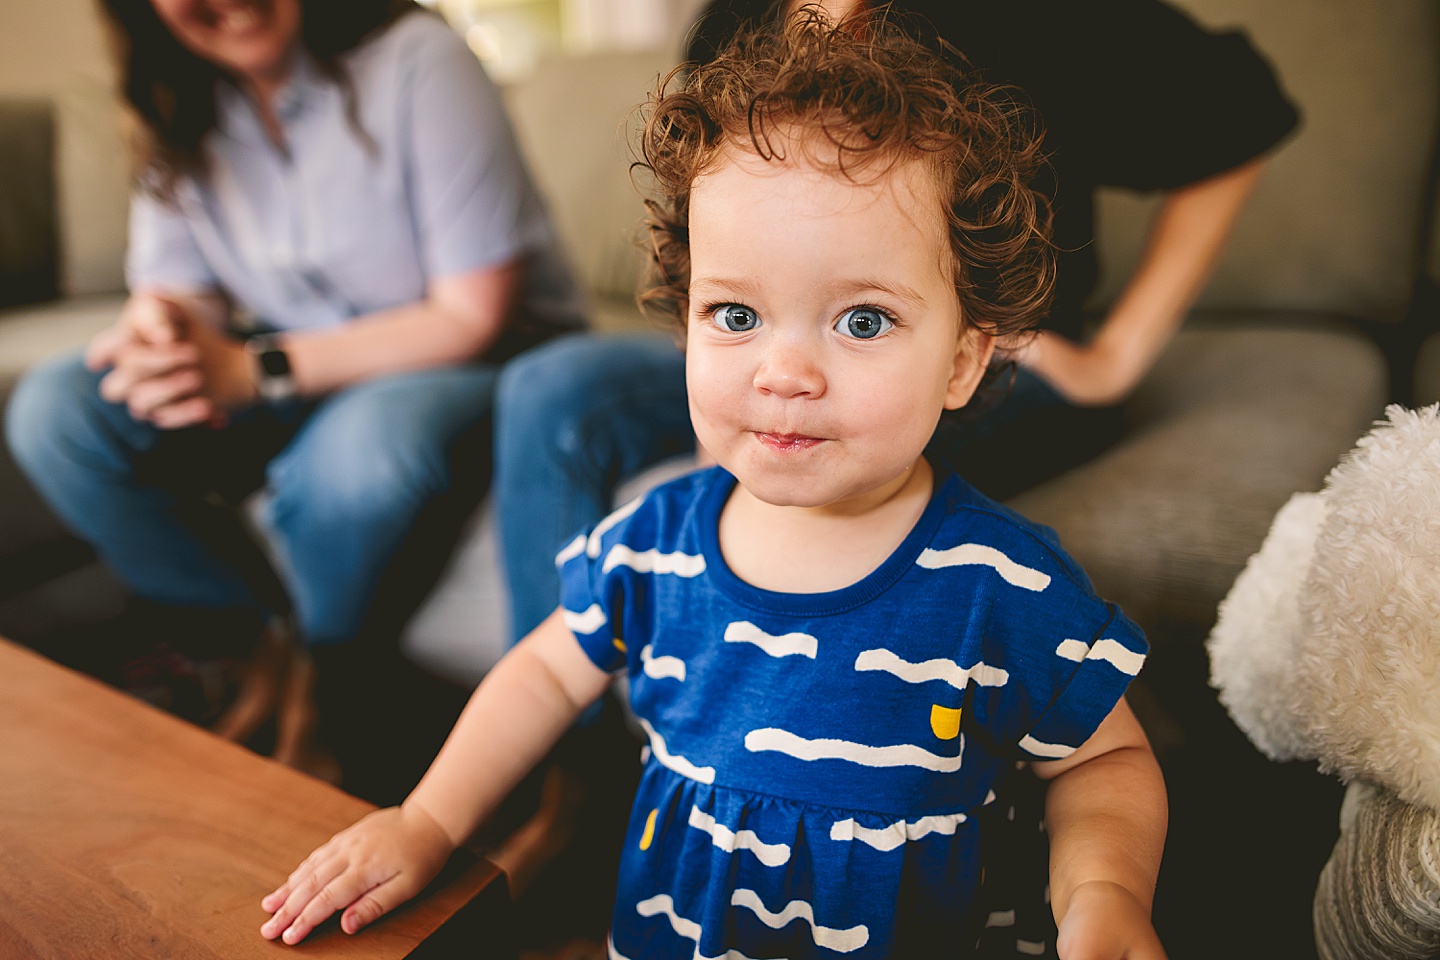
(836, 648)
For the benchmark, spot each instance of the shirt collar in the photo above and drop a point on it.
(236, 115)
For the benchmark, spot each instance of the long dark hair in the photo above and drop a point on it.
(172, 91)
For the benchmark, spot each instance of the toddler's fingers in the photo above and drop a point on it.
(380, 900)
(332, 898)
(280, 893)
(303, 889)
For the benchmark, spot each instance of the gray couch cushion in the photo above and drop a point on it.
(31, 334)
(1241, 412)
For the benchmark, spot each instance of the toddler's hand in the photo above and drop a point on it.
(1104, 921)
(366, 870)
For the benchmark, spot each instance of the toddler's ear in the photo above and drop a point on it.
(973, 349)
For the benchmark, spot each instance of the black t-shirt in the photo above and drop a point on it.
(1132, 93)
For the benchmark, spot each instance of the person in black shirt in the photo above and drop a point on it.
(1131, 93)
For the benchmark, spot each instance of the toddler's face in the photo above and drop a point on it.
(824, 336)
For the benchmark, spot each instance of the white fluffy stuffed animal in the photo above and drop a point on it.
(1326, 648)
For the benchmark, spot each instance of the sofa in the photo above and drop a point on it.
(1322, 310)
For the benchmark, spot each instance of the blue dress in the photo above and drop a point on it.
(820, 766)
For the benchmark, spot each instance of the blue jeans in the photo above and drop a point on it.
(578, 416)
(347, 477)
(574, 418)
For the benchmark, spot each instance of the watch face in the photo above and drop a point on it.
(275, 363)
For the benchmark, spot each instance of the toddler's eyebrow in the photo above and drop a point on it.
(743, 287)
(858, 288)
(747, 288)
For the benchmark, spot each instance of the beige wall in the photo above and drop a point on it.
(46, 45)
(55, 49)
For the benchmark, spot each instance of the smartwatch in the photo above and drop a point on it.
(273, 380)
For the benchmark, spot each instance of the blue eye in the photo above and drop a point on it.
(863, 323)
(735, 318)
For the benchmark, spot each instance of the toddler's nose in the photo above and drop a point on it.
(788, 369)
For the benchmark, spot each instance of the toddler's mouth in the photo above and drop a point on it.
(788, 441)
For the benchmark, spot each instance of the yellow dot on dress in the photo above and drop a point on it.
(649, 835)
(619, 644)
(945, 721)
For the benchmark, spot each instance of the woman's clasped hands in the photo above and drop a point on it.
(365, 871)
(171, 364)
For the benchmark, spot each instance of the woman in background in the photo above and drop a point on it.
(334, 244)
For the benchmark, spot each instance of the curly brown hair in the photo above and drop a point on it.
(877, 97)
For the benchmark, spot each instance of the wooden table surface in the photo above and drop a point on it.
(125, 832)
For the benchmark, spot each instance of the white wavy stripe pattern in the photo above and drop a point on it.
(661, 668)
(588, 622)
(978, 554)
(840, 940)
(947, 670)
(653, 561)
(770, 854)
(680, 765)
(570, 551)
(662, 905)
(785, 645)
(1050, 751)
(899, 755)
(889, 838)
(1113, 652)
(592, 546)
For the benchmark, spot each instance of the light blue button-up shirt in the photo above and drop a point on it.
(333, 227)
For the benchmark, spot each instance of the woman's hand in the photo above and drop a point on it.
(1104, 921)
(365, 870)
(1086, 375)
(1187, 235)
(171, 365)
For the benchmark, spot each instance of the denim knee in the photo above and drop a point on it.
(544, 394)
(353, 470)
(560, 399)
(54, 412)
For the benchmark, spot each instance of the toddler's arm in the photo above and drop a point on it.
(1106, 814)
(523, 706)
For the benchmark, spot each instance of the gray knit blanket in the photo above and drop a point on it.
(1379, 895)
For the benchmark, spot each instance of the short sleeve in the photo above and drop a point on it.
(475, 205)
(1145, 98)
(1087, 678)
(1065, 656)
(595, 592)
(162, 251)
